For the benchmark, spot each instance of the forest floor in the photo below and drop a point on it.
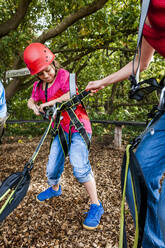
(57, 223)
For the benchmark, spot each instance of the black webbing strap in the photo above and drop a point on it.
(75, 100)
(58, 130)
(139, 92)
(46, 92)
(63, 140)
(79, 126)
(140, 187)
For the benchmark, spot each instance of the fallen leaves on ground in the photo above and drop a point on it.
(57, 223)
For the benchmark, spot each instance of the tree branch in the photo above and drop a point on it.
(86, 50)
(16, 19)
(92, 49)
(71, 19)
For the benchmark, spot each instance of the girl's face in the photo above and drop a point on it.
(48, 74)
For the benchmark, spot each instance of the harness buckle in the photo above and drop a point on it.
(79, 126)
(74, 101)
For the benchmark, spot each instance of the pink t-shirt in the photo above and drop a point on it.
(57, 89)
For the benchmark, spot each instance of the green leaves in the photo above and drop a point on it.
(93, 47)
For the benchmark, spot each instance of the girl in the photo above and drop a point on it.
(53, 86)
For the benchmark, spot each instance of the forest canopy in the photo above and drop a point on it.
(89, 38)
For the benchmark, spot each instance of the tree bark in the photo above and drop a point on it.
(16, 19)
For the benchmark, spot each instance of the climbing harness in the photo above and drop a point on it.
(139, 187)
(161, 105)
(70, 107)
(139, 191)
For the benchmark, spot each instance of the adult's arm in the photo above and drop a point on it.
(124, 73)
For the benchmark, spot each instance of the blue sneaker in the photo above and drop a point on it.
(49, 193)
(94, 215)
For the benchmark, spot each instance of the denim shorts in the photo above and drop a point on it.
(78, 155)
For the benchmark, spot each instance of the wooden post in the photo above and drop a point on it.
(118, 136)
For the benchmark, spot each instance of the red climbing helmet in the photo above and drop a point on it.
(37, 56)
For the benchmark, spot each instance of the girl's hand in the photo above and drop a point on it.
(94, 86)
(42, 106)
(36, 109)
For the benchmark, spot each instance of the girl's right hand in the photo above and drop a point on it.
(36, 110)
(94, 86)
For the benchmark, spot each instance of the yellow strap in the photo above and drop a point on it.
(123, 204)
(9, 199)
(45, 135)
(136, 217)
(123, 199)
(3, 196)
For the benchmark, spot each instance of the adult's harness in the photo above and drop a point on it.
(139, 187)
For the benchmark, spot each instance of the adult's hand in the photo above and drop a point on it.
(94, 86)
